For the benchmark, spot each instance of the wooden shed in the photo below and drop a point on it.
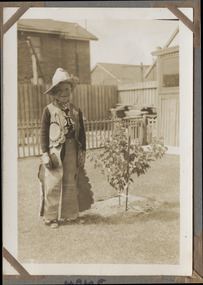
(168, 94)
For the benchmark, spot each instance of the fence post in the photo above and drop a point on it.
(141, 127)
(144, 129)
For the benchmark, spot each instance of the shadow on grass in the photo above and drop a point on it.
(94, 219)
(126, 218)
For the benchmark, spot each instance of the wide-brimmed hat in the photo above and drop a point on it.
(62, 76)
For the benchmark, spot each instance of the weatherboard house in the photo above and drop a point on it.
(168, 107)
(44, 45)
(115, 74)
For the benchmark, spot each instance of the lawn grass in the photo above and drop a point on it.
(109, 234)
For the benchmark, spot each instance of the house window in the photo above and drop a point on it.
(170, 72)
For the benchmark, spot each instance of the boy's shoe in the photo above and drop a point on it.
(52, 224)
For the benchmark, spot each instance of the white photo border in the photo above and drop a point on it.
(10, 180)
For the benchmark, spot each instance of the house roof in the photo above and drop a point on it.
(48, 26)
(122, 72)
(165, 50)
(172, 37)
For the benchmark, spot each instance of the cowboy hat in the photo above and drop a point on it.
(62, 76)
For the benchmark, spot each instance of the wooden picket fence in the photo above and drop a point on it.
(29, 134)
(94, 100)
(29, 138)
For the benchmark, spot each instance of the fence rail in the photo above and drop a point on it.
(29, 133)
(140, 93)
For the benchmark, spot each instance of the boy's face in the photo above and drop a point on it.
(63, 92)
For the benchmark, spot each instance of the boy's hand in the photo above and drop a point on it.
(81, 158)
(46, 160)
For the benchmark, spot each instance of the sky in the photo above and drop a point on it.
(125, 35)
(128, 41)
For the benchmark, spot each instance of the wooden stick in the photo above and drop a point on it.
(34, 52)
(128, 162)
(92, 130)
(96, 133)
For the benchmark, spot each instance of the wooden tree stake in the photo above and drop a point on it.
(128, 162)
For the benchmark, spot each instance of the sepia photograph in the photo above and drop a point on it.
(102, 133)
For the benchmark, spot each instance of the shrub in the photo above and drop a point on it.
(119, 159)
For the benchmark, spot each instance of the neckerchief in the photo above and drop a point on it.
(62, 106)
